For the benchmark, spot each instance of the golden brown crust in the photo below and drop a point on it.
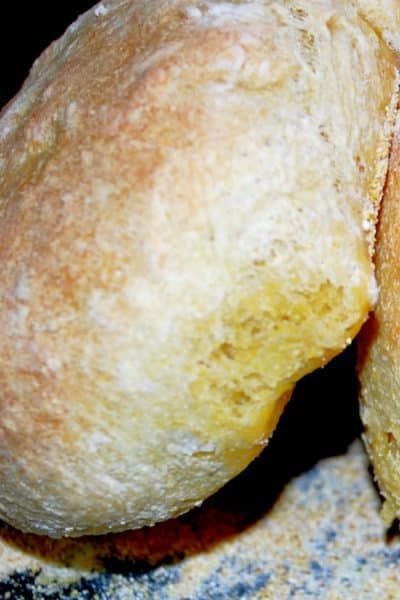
(186, 193)
(384, 17)
(380, 347)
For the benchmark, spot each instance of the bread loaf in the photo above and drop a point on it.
(187, 197)
(379, 348)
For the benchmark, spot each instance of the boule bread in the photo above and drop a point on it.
(379, 349)
(187, 199)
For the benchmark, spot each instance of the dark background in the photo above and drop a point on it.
(26, 29)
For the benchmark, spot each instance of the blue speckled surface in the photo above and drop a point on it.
(322, 538)
(301, 522)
